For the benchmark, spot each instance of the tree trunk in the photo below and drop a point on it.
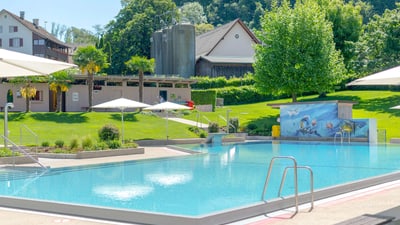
(294, 97)
(27, 104)
(90, 87)
(59, 99)
(141, 85)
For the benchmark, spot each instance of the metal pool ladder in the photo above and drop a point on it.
(296, 190)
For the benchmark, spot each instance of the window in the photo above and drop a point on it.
(167, 85)
(149, 84)
(114, 83)
(132, 84)
(38, 42)
(181, 85)
(12, 29)
(16, 42)
(38, 96)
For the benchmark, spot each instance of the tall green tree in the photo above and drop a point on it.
(193, 12)
(60, 82)
(298, 53)
(140, 65)
(347, 25)
(90, 60)
(379, 46)
(130, 33)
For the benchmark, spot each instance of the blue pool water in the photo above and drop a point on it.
(222, 178)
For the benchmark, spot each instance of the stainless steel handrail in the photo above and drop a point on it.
(31, 132)
(311, 183)
(296, 199)
(23, 151)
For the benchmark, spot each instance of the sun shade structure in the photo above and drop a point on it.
(386, 77)
(15, 64)
(167, 106)
(122, 104)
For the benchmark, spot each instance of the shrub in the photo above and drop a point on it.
(45, 144)
(108, 133)
(87, 143)
(235, 124)
(213, 127)
(73, 144)
(100, 146)
(59, 143)
(130, 145)
(5, 152)
(114, 144)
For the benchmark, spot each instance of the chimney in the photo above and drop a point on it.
(22, 14)
(36, 22)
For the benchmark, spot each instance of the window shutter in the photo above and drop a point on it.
(21, 42)
(11, 42)
(1, 43)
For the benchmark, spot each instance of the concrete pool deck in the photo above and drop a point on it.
(373, 200)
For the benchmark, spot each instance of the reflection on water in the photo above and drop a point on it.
(123, 193)
(169, 179)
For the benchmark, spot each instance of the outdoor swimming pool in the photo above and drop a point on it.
(222, 178)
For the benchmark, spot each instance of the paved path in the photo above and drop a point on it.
(189, 122)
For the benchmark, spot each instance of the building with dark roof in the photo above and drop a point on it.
(20, 35)
(226, 51)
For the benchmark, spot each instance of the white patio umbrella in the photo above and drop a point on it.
(167, 106)
(386, 77)
(122, 104)
(15, 64)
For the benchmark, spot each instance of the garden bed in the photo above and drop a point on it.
(92, 154)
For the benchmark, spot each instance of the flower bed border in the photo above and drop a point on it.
(93, 154)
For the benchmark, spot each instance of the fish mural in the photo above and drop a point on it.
(318, 120)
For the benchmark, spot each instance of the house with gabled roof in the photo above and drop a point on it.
(226, 51)
(18, 34)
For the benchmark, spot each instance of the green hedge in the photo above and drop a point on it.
(221, 82)
(204, 97)
(241, 95)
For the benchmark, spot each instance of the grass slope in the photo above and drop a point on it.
(67, 126)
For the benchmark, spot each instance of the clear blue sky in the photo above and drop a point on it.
(77, 13)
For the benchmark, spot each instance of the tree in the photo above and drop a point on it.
(60, 82)
(193, 12)
(379, 46)
(347, 24)
(141, 65)
(130, 33)
(90, 60)
(298, 53)
(27, 90)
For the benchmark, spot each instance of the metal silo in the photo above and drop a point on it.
(183, 50)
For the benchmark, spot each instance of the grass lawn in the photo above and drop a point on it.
(137, 126)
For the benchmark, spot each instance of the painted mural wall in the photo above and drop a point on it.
(318, 120)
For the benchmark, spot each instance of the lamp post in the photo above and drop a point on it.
(8, 105)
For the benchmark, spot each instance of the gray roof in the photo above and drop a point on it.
(206, 42)
(233, 60)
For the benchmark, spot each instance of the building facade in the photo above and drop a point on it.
(105, 88)
(20, 35)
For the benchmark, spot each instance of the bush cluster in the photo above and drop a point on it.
(221, 82)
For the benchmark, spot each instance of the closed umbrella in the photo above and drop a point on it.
(167, 106)
(122, 104)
